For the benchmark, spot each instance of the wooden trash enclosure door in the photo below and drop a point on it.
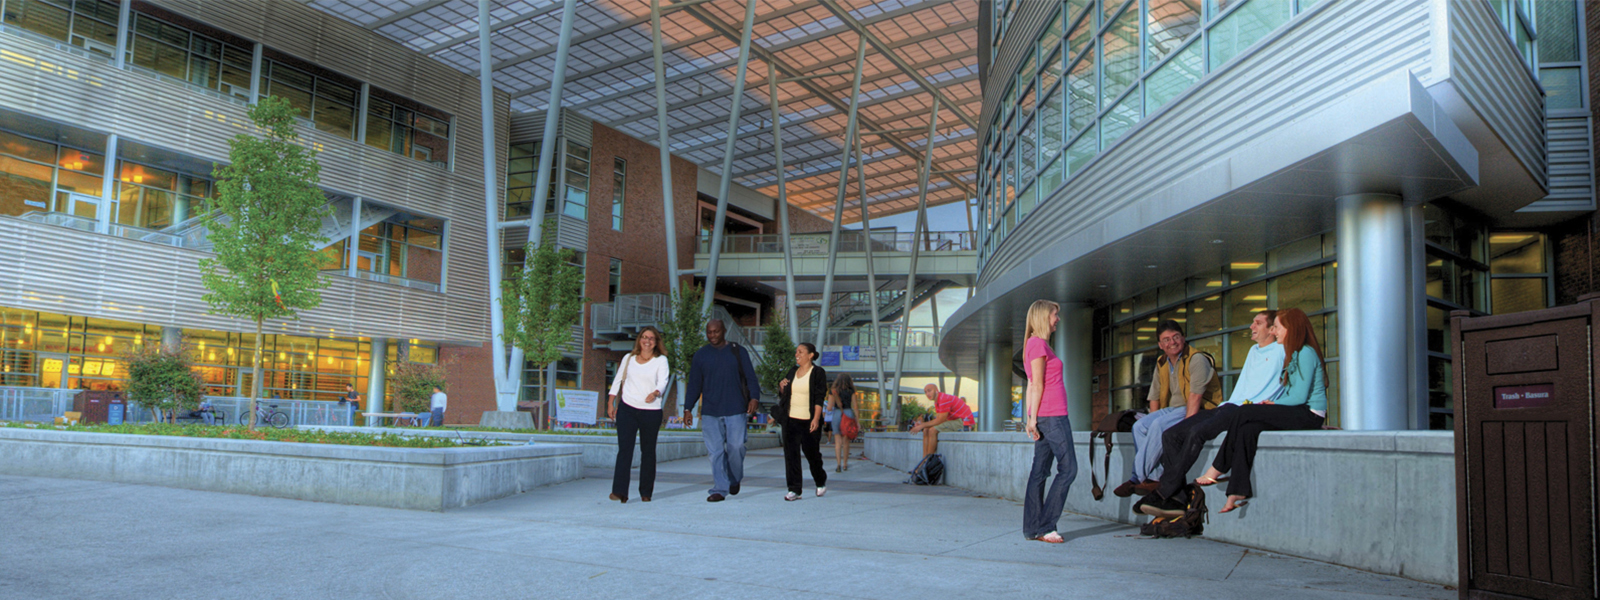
(1526, 423)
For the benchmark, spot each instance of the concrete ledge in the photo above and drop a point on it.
(598, 450)
(411, 478)
(1380, 501)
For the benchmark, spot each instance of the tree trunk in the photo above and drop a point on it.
(255, 377)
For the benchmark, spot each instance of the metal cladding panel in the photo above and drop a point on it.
(1486, 69)
(576, 127)
(1329, 54)
(573, 233)
(1026, 25)
(527, 127)
(1570, 144)
(63, 270)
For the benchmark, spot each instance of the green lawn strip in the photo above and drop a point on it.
(308, 436)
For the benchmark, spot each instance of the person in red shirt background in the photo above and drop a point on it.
(950, 414)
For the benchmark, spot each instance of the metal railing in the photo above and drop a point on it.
(861, 336)
(395, 280)
(91, 225)
(816, 244)
(45, 404)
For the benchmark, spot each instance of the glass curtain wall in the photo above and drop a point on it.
(152, 198)
(1455, 277)
(47, 350)
(328, 100)
(404, 247)
(1215, 309)
(407, 128)
(88, 24)
(186, 55)
(570, 175)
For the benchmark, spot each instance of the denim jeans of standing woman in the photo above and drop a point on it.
(1041, 510)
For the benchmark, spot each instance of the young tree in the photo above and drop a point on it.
(541, 304)
(683, 332)
(161, 380)
(265, 226)
(412, 384)
(779, 354)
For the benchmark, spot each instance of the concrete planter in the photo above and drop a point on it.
(410, 478)
(598, 450)
(1383, 501)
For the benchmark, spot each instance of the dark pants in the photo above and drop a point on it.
(798, 438)
(1244, 430)
(647, 425)
(1041, 511)
(1182, 443)
(436, 417)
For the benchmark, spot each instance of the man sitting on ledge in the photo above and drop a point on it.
(1185, 382)
(950, 414)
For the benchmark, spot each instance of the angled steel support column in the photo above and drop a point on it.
(916, 251)
(355, 237)
(255, 76)
(664, 142)
(108, 186)
(844, 184)
(124, 29)
(727, 154)
(783, 203)
(552, 114)
(893, 398)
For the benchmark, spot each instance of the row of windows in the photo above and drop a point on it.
(47, 350)
(220, 62)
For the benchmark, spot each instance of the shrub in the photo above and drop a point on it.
(412, 384)
(161, 380)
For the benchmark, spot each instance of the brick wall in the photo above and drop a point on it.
(803, 221)
(639, 245)
(1576, 266)
(470, 381)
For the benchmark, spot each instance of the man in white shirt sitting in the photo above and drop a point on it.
(1260, 381)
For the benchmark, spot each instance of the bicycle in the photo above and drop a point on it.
(267, 414)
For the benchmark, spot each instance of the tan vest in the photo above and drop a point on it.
(1213, 392)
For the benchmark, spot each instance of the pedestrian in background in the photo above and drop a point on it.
(436, 406)
(841, 396)
(635, 405)
(801, 395)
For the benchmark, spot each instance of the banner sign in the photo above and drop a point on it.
(808, 245)
(830, 358)
(852, 353)
(577, 406)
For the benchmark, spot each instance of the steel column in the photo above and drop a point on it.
(1373, 312)
(124, 30)
(664, 142)
(355, 237)
(375, 377)
(727, 154)
(916, 248)
(108, 186)
(255, 75)
(872, 286)
(995, 398)
(844, 184)
(491, 207)
(552, 112)
(1075, 347)
(783, 202)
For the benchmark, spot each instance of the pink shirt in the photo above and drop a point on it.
(1054, 401)
(956, 408)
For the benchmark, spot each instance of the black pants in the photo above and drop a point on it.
(1244, 430)
(1181, 445)
(797, 438)
(647, 425)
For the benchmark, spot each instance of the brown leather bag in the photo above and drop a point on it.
(1112, 423)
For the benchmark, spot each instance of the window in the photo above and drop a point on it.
(180, 53)
(619, 183)
(329, 101)
(36, 176)
(401, 250)
(88, 24)
(576, 182)
(568, 373)
(154, 198)
(614, 285)
(407, 128)
(1519, 272)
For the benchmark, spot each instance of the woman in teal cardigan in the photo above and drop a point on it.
(1303, 404)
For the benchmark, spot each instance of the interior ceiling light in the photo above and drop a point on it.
(1247, 266)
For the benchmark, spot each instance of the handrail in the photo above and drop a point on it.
(816, 244)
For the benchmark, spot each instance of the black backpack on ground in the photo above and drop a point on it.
(928, 472)
(1190, 523)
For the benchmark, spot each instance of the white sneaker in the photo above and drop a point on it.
(822, 490)
(791, 497)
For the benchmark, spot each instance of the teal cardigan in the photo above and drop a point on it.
(1308, 382)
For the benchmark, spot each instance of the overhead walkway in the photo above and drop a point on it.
(948, 255)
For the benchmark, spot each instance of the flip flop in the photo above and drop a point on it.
(1236, 506)
(1205, 481)
(1045, 538)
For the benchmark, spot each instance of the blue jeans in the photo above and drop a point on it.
(1147, 441)
(436, 417)
(725, 443)
(1040, 511)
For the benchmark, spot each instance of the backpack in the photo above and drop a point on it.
(1190, 523)
(1112, 423)
(848, 427)
(928, 472)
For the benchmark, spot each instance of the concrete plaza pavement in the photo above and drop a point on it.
(870, 537)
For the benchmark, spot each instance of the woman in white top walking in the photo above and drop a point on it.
(640, 382)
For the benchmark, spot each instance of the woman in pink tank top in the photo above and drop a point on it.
(1047, 424)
